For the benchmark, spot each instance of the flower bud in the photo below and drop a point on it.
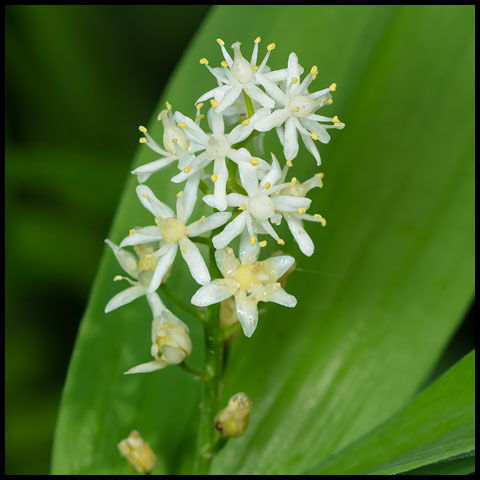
(232, 421)
(137, 452)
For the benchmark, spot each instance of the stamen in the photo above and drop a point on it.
(174, 140)
(319, 175)
(263, 243)
(224, 64)
(246, 122)
(258, 40)
(333, 87)
(242, 208)
(229, 250)
(314, 70)
(254, 68)
(199, 105)
(335, 119)
(182, 125)
(289, 163)
(281, 241)
(142, 129)
(293, 181)
(301, 211)
(179, 194)
(328, 101)
(271, 47)
(184, 249)
(187, 169)
(214, 178)
(169, 107)
(294, 79)
(117, 278)
(254, 161)
(253, 240)
(142, 140)
(204, 61)
(202, 219)
(200, 117)
(267, 185)
(132, 231)
(314, 136)
(220, 42)
(322, 220)
(145, 195)
(213, 103)
(296, 109)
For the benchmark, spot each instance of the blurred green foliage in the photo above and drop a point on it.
(79, 79)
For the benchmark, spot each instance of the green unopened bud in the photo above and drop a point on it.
(232, 421)
(137, 452)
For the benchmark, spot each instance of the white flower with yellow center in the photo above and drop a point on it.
(260, 206)
(176, 147)
(297, 111)
(249, 281)
(174, 232)
(140, 268)
(171, 343)
(238, 74)
(218, 147)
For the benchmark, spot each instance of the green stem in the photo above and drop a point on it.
(212, 375)
(203, 240)
(226, 332)
(249, 105)
(195, 312)
(204, 187)
(196, 373)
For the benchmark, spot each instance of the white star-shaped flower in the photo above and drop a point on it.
(171, 343)
(141, 269)
(239, 75)
(218, 147)
(260, 206)
(172, 232)
(297, 111)
(249, 281)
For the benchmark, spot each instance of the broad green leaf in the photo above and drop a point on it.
(387, 286)
(437, 426)
(459, 465)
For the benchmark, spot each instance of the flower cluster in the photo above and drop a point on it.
(250, 196)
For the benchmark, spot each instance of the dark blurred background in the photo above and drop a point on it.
(79, 80)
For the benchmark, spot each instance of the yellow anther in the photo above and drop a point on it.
(229, 250)
(202, 219)
(204, 61)
(220, 42)
(253, 240)
(246, 122)
(254, 68)
(296, 109)
(335, 119)
(281, 241)
(142, 140)
(179, 194)
(132, 231)
(187, 169)
(271, 47)
(319, 175)
(289, 163)
(200, 117)
(314, 70)
(254, 161)
(263, 243)
(328, 101)
(294, 79)
(333, 87)
(213, 103)
(184, 249)
(322, 220)
(293, 181)
(117, 278)
(148, 256)
(301, 211)
(214, 178)
(224, 64)
(267, 185)
(142, 129)
(144, 195)
(242, 208)
(258, 40)
(169, 107)
(199, 105)
(182, 125)
(314, 136)
(174, 140)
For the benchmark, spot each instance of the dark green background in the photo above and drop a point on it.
(79, 80)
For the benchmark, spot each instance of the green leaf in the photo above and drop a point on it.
(386, 288)
(459, 465)
(437, 426)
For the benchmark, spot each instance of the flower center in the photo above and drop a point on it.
(217, 146)
(303, 106)
(171, 229)
(145, 260)
(241, 68)
(249, 275)
(261, 207)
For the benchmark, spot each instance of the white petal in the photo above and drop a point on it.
(229, 98)
(291, 140)
(236, 200)
(293, 71)
(273, 90)
(317, 128)
(209, 200)
(215, 122)
(220, 186)
(173, 355)
(311, 147)
(231, 231)
(155, 303)
(304, 241)
(152, 203)
(262, 98)
(214, 292)
(274, 120)
(215, 93)
(249, 178)
(189, 197)
(194, 260)
(280, 264)
(154, 166)
(289, 203)
(163, 264)
(226, 262)
(148, 367)
(247, 314)
(248, 253)
(142, 236)
(209, 223)
(128, 261)
(239, 133)
(274, 173)
(196, 166)
(281, 297)
(281, 135)
(192, 129)
(124, 297)
(269, 229)
(258, 143)
(276, 75)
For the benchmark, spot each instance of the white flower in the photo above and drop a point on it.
(259, 207)
(141, 269)
(218, 147)
(171, 343)
(240, 75)
(295, 219)
(173, 232)
(249, 281)
(176, 147)
(297, 112)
